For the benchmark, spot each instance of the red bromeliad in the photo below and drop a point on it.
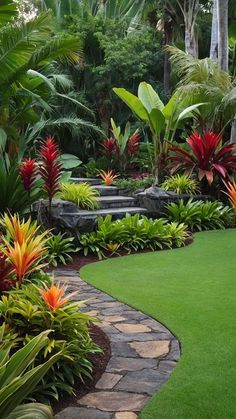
(110, 147)
(208, 157)
(28, 172)
(133, 144)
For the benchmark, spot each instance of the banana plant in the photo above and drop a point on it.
(162, 119)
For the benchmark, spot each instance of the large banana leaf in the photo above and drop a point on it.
(149, 97)
(133, 102)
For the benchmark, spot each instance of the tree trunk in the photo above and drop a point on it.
(191, 46)
(190, 9)
(233, 132)
(168, 31)
(222, 12)
(214, 33)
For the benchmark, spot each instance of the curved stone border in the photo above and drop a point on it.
(143, 355)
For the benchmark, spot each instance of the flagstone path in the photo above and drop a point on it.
(143, 355)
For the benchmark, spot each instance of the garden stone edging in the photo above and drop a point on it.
(143, 355)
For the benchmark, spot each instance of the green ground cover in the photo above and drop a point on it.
(192, 291)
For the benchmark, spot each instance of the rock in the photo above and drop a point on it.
(108, 381)
(115, 401)
(145, 381)
(154, 199)
(113, 319)
(126, 415)
(119, 364)
(132, 328)
(151, 349)
(122, 348)
(82, 413)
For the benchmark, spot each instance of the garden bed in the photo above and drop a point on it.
(99, 362)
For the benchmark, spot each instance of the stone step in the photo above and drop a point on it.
(116, 213)
(107, 190)
(91, 181)
(116, 201)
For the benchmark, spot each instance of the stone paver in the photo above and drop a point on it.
(108, 381)
(118, 401)
(133, 328)
(143, 355)
(151, 349)
(126, 415)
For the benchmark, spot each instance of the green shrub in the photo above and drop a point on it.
(132, 233)
(199, 215)
(181, 184)
(19, 378)
(134, 184)
(82, 194)
(59, 248)
(31, 310)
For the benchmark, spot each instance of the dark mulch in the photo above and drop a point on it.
(99, 362)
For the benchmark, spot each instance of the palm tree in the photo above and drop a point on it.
(203, 81)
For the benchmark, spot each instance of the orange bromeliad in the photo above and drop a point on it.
(25, 256)
(108, 177)
(231, 193)
(53, 296)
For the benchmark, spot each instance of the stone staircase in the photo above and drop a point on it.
(111, 201)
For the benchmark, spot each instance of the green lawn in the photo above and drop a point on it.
(192, 291)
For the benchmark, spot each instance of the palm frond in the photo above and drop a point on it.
(8, 11)
(64, 47)
(18, 43)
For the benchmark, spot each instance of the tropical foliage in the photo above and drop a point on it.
(132, 233)
(181, 184)
(19, 378)
(83, 195)
(199, 215)
(59, 249)
(29, 311)
(208, 157)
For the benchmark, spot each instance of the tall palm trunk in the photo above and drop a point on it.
(190, 9)
(214, 33)
(222, 12)
(168, 34)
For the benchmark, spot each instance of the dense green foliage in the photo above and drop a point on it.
(199, 215)
(82, 194)
(133, 185)
(180, 184)
(27, 314)
(19, 378)
(132, 233)
(60, 249)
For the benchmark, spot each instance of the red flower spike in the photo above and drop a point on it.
(133, 144)
(110, 147)
(50, 168)
(27, 172)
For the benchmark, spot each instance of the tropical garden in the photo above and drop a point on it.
(118, 152)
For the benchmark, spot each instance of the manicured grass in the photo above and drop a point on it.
(192, 291)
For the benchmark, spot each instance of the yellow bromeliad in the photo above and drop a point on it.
(19, 231)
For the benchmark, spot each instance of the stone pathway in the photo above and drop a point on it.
(144, 354)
